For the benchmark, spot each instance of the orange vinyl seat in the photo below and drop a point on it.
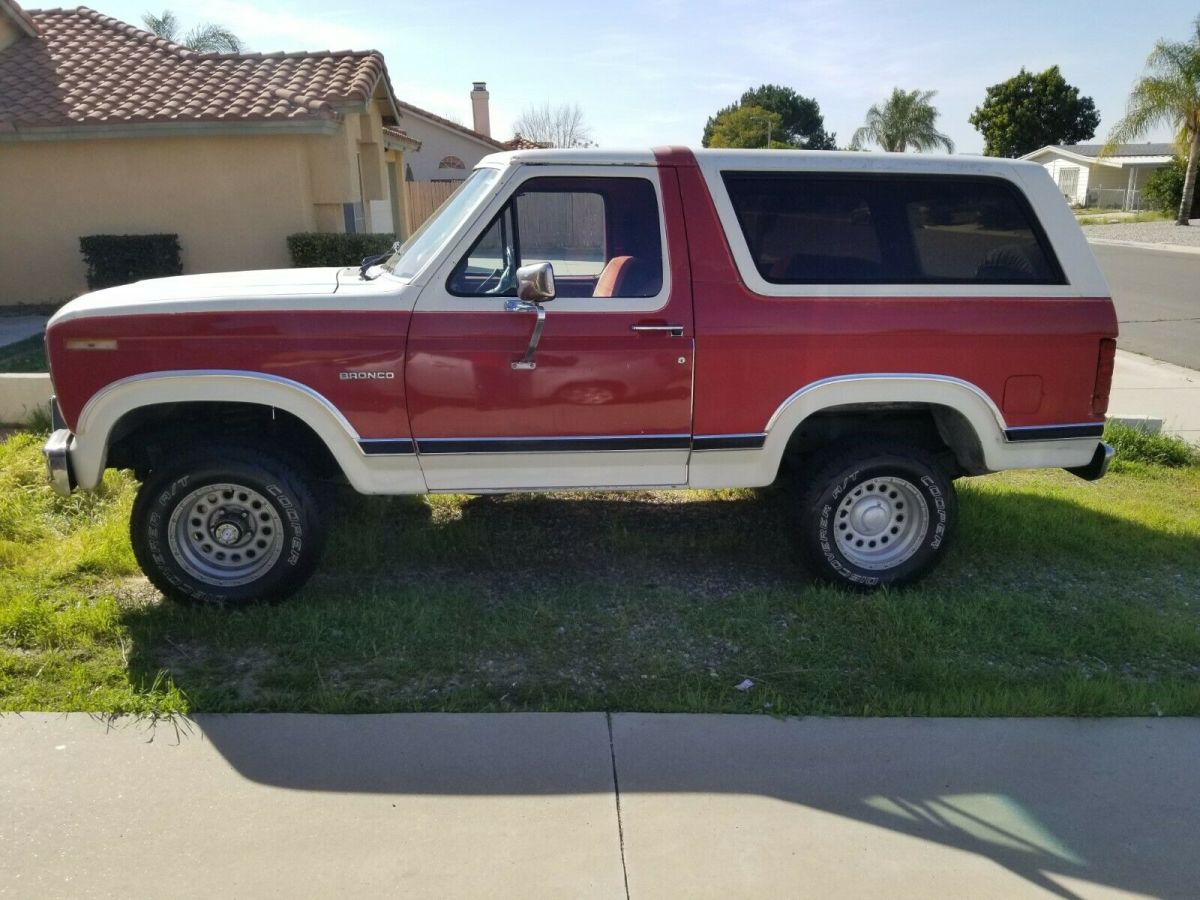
(613, 280)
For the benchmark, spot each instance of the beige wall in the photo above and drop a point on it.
(9, 32)
(232, 199)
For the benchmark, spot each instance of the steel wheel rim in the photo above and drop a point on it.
(881, 523)
(225, 534)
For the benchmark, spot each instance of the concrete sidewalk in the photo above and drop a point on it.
(585, 805)
(1149, 387)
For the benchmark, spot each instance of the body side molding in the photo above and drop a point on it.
(89, 448)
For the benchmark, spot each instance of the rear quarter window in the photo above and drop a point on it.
(813, 228)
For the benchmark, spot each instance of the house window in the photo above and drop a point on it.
(451, 162)
(1068, 181)
(353, 219)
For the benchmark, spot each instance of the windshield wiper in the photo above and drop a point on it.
(374, 261)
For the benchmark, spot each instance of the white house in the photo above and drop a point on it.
(1113, 182)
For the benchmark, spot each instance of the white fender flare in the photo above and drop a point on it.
(89, 448)
(720, 468)
(936, 390)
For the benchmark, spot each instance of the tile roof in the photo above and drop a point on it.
(88, 68)
(1093, 150)
(447, 123)
(523, 143)
(401, 137)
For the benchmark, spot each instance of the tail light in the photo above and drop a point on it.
(1104, 376)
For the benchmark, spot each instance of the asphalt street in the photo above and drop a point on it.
(1157, 294)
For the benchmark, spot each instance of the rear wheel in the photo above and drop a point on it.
(228, 525)
(877, 515)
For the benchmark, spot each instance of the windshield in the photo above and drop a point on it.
(428, 239)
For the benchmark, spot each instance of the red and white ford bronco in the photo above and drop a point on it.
(876, 324)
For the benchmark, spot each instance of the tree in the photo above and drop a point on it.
(1169, 94)
(203, 38)
(554, 126)
(906, 119)
(1164, 187)
(747, 126)
(1030, 111)
(801, 119)
(801, 125)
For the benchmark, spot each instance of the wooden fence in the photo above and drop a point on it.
(424, 197)
(551, 224)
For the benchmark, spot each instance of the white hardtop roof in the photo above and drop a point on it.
(771, 160)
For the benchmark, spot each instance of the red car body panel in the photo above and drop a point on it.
(597, 377)
(753, 352)
(310, 347)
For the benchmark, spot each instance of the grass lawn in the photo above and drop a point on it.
(28, 355)
(1061, 597)
(1116, 217)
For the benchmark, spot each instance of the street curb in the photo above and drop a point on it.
(21, 394)
(1142, 245)
(1144, 424)
(1173, 368)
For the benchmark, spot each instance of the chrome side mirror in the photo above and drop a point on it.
(535, 283)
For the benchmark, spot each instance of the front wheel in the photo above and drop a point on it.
(227, 525)
(877, 515)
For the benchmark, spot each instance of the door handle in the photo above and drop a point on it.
(673, 330)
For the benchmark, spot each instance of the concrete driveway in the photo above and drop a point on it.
(527, 805)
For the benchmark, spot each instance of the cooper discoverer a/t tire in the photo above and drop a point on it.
(227, 524)
(877, 515)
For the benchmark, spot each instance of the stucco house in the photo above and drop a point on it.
(448, 150)
(107, 129)
(1114, 181)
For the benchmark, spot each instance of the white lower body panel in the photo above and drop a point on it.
(471, 472)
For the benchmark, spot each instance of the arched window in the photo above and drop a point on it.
(452, 162)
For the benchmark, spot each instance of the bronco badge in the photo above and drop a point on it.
(357, 376)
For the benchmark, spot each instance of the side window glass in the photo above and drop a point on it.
(564, 229)
(819, 228)
(972, 232)
(602, 236)
(488, 269)
(809, 232)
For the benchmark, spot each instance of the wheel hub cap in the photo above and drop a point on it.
(225, 534)
(881, 523)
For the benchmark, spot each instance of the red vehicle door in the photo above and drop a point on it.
(605, 397)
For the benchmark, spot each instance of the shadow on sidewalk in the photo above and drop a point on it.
(1114, 803)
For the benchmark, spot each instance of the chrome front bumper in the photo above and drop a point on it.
(58, 461)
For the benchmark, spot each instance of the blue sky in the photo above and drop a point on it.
(651, 72)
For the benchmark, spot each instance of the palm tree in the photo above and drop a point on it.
(204, 38)
(1168, 94)
(907, 119)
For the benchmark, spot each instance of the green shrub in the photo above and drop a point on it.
(1164, 187)
(114, 259)
(319, 248)
(1135, 445)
